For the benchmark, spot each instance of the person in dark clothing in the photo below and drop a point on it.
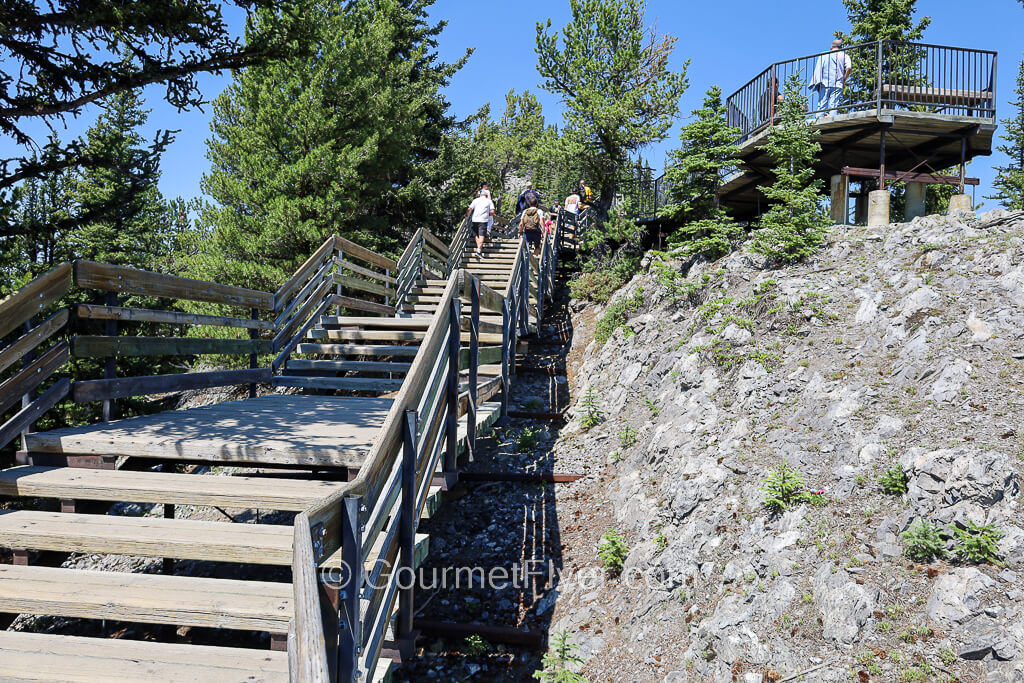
(524, 199)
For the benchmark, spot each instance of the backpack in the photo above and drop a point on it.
(531, 220)
(588, 195)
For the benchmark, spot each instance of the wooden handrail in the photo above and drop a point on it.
(21, 305)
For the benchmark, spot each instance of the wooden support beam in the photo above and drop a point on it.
(906, 176)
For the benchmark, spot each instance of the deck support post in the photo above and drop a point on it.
(524, 297)
(840, 199)
(915, 201)
(407, 528)
(452, 399)
(350, 635)
(254, 361)
(168, 564)
(474, 363)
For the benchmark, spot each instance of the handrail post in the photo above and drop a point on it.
(506, 340)
(474, 362)
(110, 362)
(254, 360)
(524, 294)
(337, 265)
(350, 633)
(878, 74)
(452, 421)
(407, 525)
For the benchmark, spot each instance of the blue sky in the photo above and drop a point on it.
(727, 43)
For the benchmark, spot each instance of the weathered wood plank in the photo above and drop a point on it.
(146, 598)
(357, 350)
(93, 312)
(360, 305)
(183, 539)
(304, 317)
(122, 387)
(360, 252)
(390, 335)
(40, 333)
(339, 383)
(303, 274)
(259, 493)
(310, 644)
(90, 275)
(46, 657)
(101, 347)
(33, 298)
(434, 241)
(32, 375)
(24, 418)
(487, 355)
(348, 366)
(348, 265)
(363, 285)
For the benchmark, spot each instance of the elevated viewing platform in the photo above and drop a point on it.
(908, 112)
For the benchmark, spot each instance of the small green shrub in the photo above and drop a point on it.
(783, 488)
(558, 659)
(596, 286)
(612, 551)
(533, 403)
(893, 480)
(615, 456)
(614, 316)
(660, 541)
(528, 439)
(978, 544)
(924, 543)
(475, 646)
(591, 412)
(628, 436)
(652, 406)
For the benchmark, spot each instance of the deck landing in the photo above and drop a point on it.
(327, 431)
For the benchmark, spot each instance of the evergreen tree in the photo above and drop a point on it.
(708, 145)
(795, 225)
(1009, 182)
(613, 76)
(336, 142)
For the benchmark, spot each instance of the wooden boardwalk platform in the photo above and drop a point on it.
(315, 431)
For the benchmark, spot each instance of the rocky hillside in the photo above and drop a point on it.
(888, 374)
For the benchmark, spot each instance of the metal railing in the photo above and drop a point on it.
(884, 74)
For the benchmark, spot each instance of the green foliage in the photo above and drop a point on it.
(783, 488)
(660, 541)
(614, 316)
(533, 403)
(696, 171)
(652, 407)
(528, 439)
(628, 437)
(62, 56)
(978, 543)
(556, 662)
(595, 286)
(893, 480)
(618, 90)
(924, 542)
(1009, 180)
(475, 646)
(295, 156)
(612, 551)
(795, 225)
(591, 411)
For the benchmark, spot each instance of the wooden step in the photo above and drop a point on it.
(339, 383)
(357, 350)
(348, 366)
(45, 657)
(390, 335)
(262, 493)
(146, 598)
(182, 539)
(376, 323)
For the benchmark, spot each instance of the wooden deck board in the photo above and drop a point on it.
(146, 598)
(297, 430)
(44, 657)
(262, 493)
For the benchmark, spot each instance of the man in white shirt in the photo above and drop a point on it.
(829, 78)
(480, 211)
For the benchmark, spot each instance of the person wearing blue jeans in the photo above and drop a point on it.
(830, 73)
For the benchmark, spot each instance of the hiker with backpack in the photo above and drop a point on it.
(524, 199)
(586, 195)
(530, 225)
